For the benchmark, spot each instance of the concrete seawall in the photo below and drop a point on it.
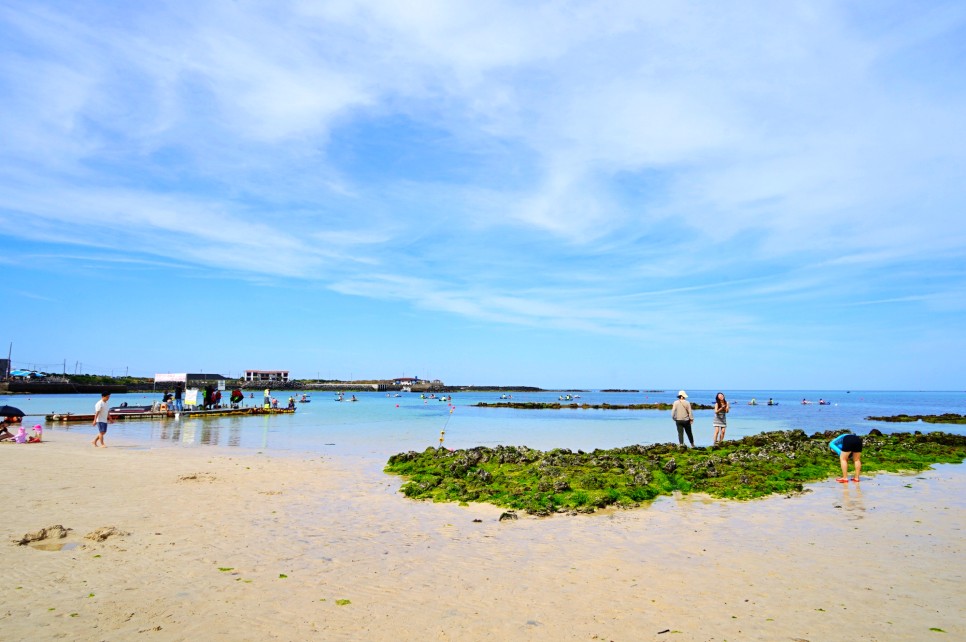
(23, 387)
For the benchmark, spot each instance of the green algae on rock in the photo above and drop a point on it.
(561, 480)
(536, 405)
(947, 418)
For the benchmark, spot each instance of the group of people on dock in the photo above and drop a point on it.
(173, 401)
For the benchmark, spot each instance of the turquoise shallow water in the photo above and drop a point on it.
(380, 425)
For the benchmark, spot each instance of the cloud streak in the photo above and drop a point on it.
(611, 168)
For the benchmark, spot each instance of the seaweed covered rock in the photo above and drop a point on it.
(945, 418)
(559, 480)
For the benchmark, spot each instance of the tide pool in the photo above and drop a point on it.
(380, 426)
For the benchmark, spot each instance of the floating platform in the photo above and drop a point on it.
(123, 414)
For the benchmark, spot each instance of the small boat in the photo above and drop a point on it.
(124, 409)
(271, 411)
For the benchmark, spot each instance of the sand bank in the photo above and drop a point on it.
(234, 545)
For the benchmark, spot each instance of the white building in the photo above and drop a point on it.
(266, 375)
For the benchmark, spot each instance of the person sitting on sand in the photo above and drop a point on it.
(5, 433)
(38, 435)
(844, 446)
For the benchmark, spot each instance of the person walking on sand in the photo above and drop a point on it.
(720, 423)
(101, 418)
(844, 446)
(683, 417)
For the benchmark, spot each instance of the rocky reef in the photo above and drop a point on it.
(947, 418)
(560, 480)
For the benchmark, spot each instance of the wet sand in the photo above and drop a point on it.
(234, 545)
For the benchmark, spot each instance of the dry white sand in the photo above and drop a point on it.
(241, 546)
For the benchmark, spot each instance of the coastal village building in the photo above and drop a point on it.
(406, 381)
(266, 375)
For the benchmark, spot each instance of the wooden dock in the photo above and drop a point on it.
(68, 417)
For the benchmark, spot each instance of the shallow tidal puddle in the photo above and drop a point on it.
(54, 546)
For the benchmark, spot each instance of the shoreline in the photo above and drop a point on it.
(212, 533)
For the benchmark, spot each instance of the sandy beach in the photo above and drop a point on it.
(235, 545)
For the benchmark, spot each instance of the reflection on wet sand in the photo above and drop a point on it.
(208, 433)
(852, 502)
(234, 431)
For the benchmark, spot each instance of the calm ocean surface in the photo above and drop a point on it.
(379, 425)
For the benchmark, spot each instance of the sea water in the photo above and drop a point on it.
(379, 425)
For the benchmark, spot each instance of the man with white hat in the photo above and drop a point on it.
(683, 416)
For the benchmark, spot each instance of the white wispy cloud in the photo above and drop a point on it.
(635, 164)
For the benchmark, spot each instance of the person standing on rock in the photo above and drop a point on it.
(683, 417)
(102, 410)
(720, 422)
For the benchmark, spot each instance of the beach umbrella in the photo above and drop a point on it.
(10, 411)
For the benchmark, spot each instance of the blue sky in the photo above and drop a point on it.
(750, 195)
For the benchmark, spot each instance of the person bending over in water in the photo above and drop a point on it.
(721, 409)
(844, 446)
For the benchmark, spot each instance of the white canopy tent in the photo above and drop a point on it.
(190, 394)
(171, 377)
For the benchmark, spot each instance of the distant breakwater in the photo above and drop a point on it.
(532, 405)
(25, 387)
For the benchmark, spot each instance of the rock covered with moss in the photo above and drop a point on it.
(560, 480)
(946, 418)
